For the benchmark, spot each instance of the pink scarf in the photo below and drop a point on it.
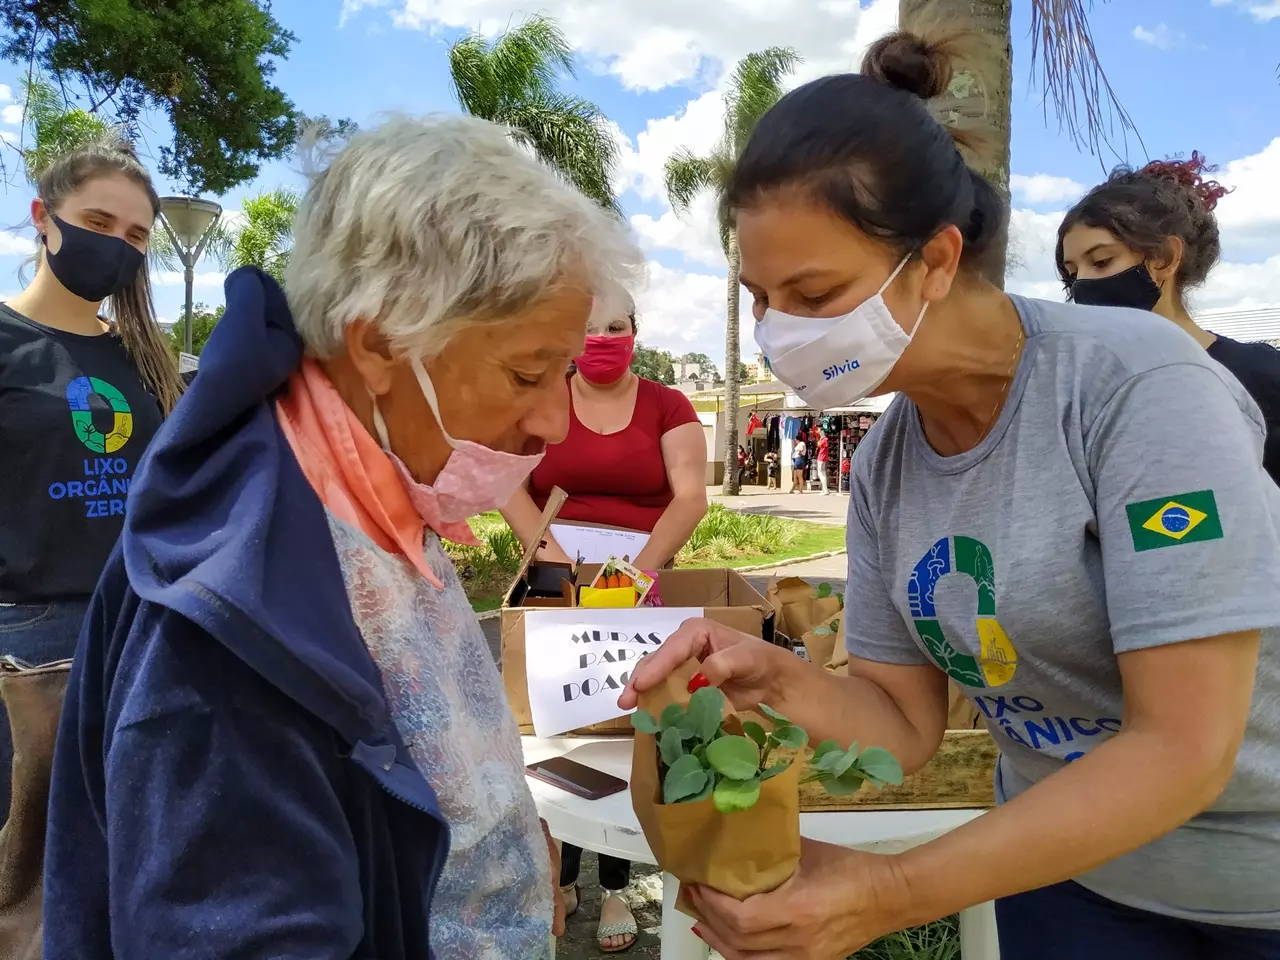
(354, 477)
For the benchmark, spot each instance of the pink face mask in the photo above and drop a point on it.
(475, 478)
(606, 359)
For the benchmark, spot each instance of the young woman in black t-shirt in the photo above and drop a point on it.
(80, 399)
(1142, 239)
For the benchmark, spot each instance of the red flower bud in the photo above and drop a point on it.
(698, 682)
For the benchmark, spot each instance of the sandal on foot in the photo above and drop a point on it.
(571, 894)
(619, 929)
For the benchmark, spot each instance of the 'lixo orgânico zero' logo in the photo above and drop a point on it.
(79, 391)
(997, 659)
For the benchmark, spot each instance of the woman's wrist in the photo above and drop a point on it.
(792, 682)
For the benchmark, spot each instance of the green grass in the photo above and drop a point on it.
(724, 538)
(937, 941)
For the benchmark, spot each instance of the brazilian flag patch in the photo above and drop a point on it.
(1170, 521)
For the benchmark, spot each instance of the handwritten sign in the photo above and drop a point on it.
(579, 660)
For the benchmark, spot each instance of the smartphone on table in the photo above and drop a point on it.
(576, 778)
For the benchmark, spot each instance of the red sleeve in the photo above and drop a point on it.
(674, 409)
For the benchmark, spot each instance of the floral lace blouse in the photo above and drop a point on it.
(494, 899)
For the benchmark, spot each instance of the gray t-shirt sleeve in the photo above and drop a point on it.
(1184, 510)
(873, 626)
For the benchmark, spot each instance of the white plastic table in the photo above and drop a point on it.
(609, 826)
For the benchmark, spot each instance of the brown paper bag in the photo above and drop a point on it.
(823, 648)
(741, 854)
(798, 608)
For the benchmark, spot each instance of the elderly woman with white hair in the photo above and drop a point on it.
(284, 734)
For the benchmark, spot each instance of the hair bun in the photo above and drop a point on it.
(1188, 174)
(911, 63)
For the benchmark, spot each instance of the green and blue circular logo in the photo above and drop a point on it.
(79, 391)
(997, 659)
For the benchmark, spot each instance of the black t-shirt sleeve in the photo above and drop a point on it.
(1257, 367)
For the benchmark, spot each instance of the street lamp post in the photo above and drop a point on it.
(189, 222)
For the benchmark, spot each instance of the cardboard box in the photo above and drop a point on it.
(724, 596)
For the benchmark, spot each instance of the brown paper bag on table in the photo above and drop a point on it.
(741, 854)
(823, 648)
(798, 607)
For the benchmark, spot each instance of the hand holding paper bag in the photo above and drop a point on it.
(742, 853)
(717, 792)
(836, 903)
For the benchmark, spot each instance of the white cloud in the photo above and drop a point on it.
(15, 244)
(693, 235)
(6, 93)
(1160, 36)
(1249, 216)
(174, 278)
(1043, 188)
(1262, 12)
(661, 43)
(684, 312)
(12, 114)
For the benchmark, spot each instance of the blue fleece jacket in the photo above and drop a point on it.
(228, 781)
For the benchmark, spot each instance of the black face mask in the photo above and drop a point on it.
(92, 265)
(1128, 288)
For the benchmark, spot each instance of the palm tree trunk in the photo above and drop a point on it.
(990, 18)
(732, 368)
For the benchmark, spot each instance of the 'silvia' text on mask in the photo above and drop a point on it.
(836, 361)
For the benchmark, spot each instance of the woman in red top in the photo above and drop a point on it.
(635, 457)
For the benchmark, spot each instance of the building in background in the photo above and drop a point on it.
(1251, 325)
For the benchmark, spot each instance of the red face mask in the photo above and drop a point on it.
(606, 359)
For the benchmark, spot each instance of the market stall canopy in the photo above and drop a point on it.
(774, 397)
(793, 404)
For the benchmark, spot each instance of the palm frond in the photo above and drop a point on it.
(685, 176)
(56, 126)
(756, 85)
(570, 134)
(529, 57)
(1083, 99)
(522, 64)
(161, 255)
(262, 236)
(513, 81)
(472, 76)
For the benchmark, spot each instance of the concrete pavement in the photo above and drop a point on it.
(810, 507)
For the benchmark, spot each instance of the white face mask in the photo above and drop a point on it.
(836, 361)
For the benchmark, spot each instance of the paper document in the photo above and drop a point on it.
(579, 660)
(598, 544)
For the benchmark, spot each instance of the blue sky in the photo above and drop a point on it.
(1193, 74)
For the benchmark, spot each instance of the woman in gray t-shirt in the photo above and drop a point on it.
(1064, 514)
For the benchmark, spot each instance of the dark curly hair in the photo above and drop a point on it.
(1144, 208)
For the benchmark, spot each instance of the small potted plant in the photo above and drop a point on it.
(717, 793)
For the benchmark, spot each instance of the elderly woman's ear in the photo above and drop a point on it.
(370, 354)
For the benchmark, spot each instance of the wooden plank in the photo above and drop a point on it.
(961, 775)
